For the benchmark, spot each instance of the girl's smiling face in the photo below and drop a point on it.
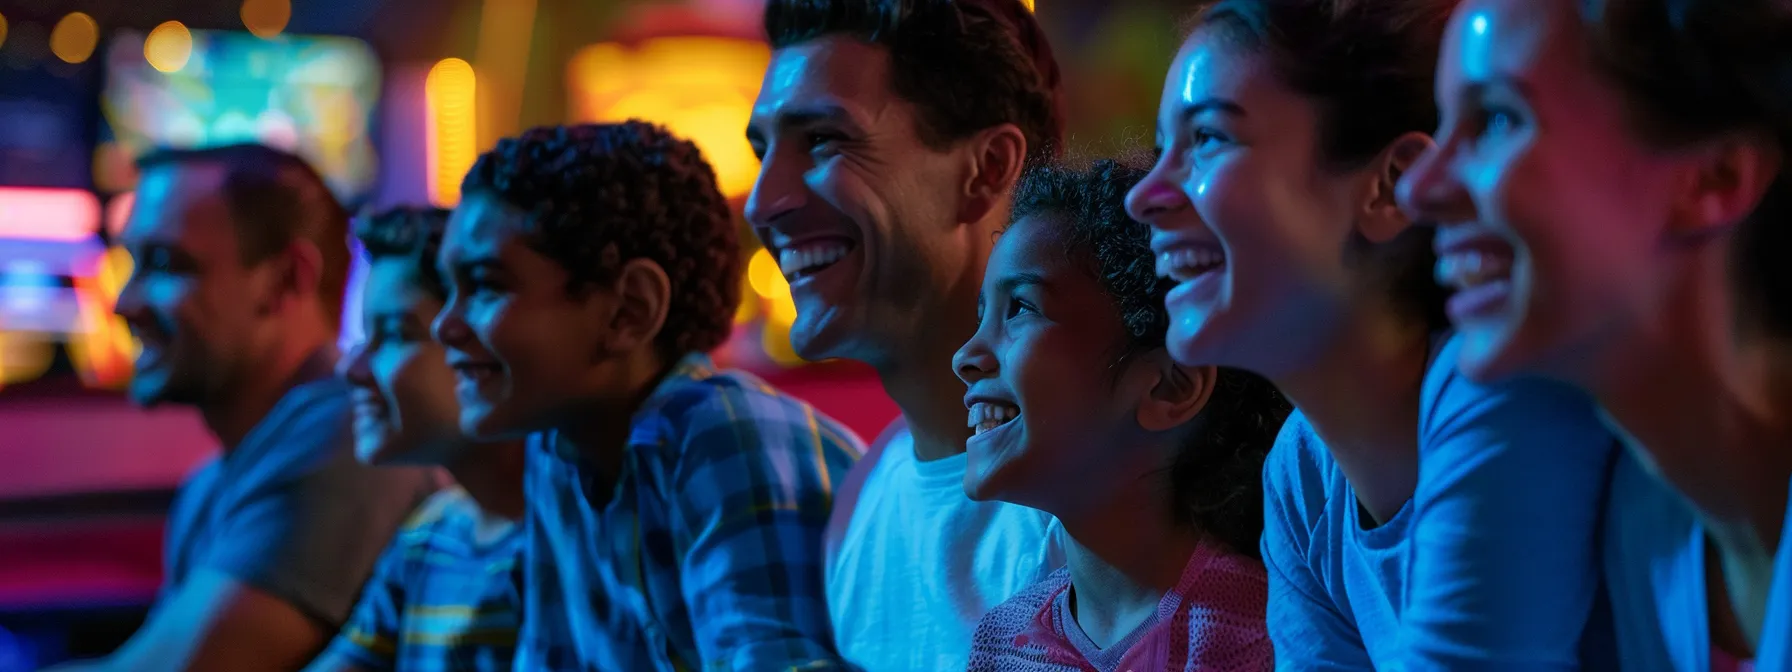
(1054, 388)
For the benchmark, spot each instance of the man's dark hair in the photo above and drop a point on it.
(598, 195)
(1217, 476)
(275, 198)
(967, 65)
(1369, 66)
(413, 234)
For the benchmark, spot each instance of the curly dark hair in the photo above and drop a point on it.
(1701, 69)
(967, 65)
(413, 234)
(599, 195)
(1370, 67)
(1217, 476)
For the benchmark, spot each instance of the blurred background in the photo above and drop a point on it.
(391, 100)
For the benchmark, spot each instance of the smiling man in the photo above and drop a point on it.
(891, 132)
(241, 259)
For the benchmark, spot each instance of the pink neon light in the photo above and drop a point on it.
(48, 214)
(117, 211)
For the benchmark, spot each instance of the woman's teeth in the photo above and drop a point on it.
(809, 258)
(1186, 263)
(1470, 268)
(986, 416)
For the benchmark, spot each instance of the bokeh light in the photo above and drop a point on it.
(168, 47)
(74, 37)
(266, 18)
(449, 97)
(3, 26)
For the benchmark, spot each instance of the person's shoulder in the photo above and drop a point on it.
(742, 402)
(1451, 400)
(1014, 614)
(1299, 459)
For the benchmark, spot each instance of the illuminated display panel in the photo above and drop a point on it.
(314, 96)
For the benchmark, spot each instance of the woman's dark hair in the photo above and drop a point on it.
(1218, 473)
(1700, 69)
(413, 234)
(1369, 67)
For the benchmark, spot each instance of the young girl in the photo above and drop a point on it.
(1151, 467)
(1414, 519)
(445, 594)
(1612, 194)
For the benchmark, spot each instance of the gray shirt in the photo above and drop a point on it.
(290, 511)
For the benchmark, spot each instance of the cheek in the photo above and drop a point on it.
(1267, 222)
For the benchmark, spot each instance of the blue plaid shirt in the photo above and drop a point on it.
(440, 601)
(707, 551)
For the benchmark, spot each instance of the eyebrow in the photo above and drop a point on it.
(1223, 105)
(800, 117)
(462, 266)
(1011, 282)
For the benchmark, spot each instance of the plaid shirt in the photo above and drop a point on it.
(706, 553)
(439, 600)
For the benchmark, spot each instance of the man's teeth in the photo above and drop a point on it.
(1462, 270)
(986, 416)
(795, 261)
(1185, 263)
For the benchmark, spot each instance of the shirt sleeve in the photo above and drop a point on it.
(754, 488)
(1504, 564)
(314, 522)
(1309, 631)
(369, 641)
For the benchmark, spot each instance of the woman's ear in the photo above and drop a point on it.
(1178, 394)
(1381, 219)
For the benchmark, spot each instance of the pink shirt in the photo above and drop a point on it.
(1213, 621)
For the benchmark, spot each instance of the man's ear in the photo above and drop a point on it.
(1178, 395)
(1381, 218)
(298, 274)
(640, 298)
(996, 157)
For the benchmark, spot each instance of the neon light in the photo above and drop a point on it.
(48, 214)
(452, 132)
(118, 211)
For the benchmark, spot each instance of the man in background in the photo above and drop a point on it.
(891, 132)
(241, 259)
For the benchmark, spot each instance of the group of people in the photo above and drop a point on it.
(1434, 335)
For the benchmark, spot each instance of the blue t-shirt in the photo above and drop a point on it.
(1774, 653)
(1505, 570)
(1335, 588)
(1655, 574)
(1492, 565)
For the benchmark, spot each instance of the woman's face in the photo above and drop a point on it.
(1245, 216)
(1553, 216)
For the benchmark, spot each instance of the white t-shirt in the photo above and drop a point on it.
(918, 563)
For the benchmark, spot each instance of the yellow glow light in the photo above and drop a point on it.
(766, 278)
(24, 356)
(701, 88)
(1028, 3)
(776, 341)
(168, 47)
(2, 29)
(74, 37)
(266, 18)
(449, 95)
(749, 303)
(102, 348)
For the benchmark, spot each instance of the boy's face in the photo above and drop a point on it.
(1052, 409)
(523, 343)
(405, 406)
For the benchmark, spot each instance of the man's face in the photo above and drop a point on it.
(522, 342)
(197, 309)
(862, 216)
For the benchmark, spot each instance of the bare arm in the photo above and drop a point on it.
(215, 623)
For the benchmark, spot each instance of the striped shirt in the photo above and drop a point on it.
(704, 552)
(440, 599)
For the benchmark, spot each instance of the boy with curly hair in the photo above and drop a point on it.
(675, 512)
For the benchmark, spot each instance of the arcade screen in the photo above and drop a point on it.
(65, 188)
